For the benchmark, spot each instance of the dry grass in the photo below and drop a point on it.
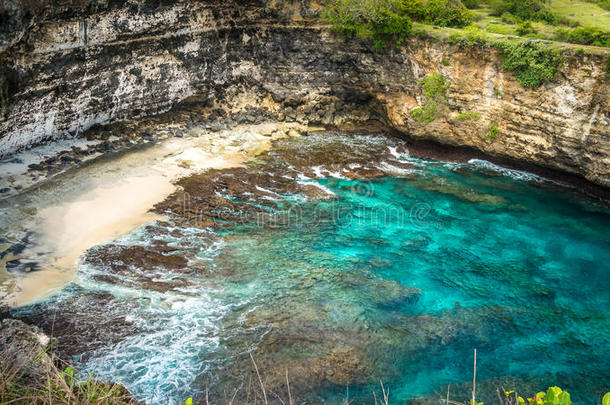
(39, 381)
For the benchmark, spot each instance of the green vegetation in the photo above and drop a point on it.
(477, 22)
(531, 62)
(583, 23)
(442, 13)
(468, 116)
(553, 396)
(584, 36)
(62, 388)
(588, 13)
(493, 131)
(534, 10)
(605, 4)
(389, 21)
(382, 21)
(525, 28)
(471, 3)
(608, 64)
(434, 88)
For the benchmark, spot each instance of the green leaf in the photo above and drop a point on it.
(553, 395)
(189, 401)
(564, 398)
(606, 398)
(69, 371)
(521, 401)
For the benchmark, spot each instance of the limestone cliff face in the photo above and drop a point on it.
(70, 68)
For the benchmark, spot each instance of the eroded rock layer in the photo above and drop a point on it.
(69, 67)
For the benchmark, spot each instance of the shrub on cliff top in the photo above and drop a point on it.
(534, 10)
(387, 21)
(447, 13)
(584, 36)
(531, 62)
(380, 20)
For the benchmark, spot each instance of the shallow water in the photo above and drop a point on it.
(55, 221)
(395, 278)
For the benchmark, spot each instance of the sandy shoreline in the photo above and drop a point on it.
(116, 199)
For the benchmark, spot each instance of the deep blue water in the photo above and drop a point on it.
(505, 262)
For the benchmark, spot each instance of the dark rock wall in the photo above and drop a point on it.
(68, 67)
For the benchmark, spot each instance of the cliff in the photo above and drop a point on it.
(68, 67)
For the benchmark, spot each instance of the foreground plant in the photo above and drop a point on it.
(39, 381)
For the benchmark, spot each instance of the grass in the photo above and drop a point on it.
(446, 34)
(39, 381)
(583, 13)
(587, 14)
(468, 116)
(493, 131)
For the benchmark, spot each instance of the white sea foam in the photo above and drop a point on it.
(389, 168)
(317, 171)
(394, 152)
(264, 190)
(318, 185)
(337, 175)
(512, 173)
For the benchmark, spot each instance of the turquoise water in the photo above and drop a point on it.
(400, 277)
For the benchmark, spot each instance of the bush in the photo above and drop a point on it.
(425, 114)
(380, 20)
(525, 28)
(474, 36)
(508, 18)
(447, 13)
(471, 3)
(530, 62)
(534, 10)
(386, 21)
(434, 88)
(392, 28)
(584, 36)
(493, 131)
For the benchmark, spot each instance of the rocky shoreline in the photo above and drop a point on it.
(197, 117)
(240, 205)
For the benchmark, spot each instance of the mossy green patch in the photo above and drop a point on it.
(468, 116)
